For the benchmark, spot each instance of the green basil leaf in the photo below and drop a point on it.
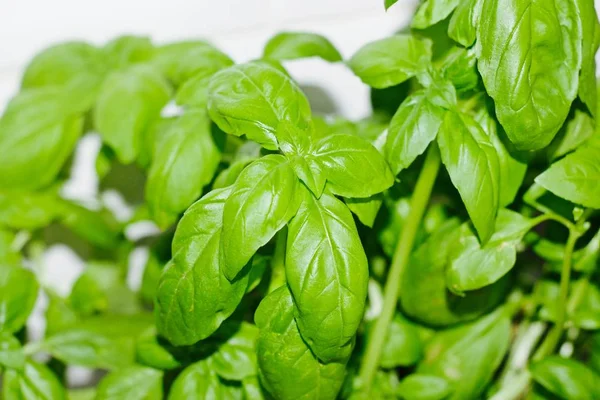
(468, 356)
(29, 210)
(294, 45)
(389, 3)
(402, 346)
(326, 270)
(131, 383)
(8, 253)
(252, 99)
(566, 378)
(252, 389)
(152, 271)
(459, 67)
(590, 40)
(149, 351)
(424, 296)
(433, 11)
(127, 103)
(125, 50)
(11, 352)
(576, 132)
(183, 61)
(236, 358)
(38, 132)
(35, 381)
(353, 167)
(472, 163)
(264, 198)
(529, 56)
(388, 62)
(366, 208)
(183, 164)
(85, 348)
(18, 292)
(194, 296)
(100, 228)
(512, 171)
(416, 124)
(424, 387)
(587, 313)
(64, 63)
(575, 178)
(310, 172)
(228, 176)
(473, 266)
(287, 367)
(463, 23)
(198, 380)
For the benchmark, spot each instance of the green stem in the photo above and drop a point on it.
(418, 204)
(549, 344)
(278, 262)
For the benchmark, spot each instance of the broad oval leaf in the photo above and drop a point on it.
(423, 292)
(433, 11)
(468, 356)
(29, 210)
(473, 266)
(128, 102)
(287, 367)
(326, 270)
(11, 353)
(402, 346)
(294, 45)
(575, 132)
(590, 41)
(35, 381)
(575, 178)
(352, 166)
(194, 297)
(390, 61)
(252, 99)
(415, 125)
(529, 58)
(472, 163)
(463, 23)
(264, 198)
(38, 132)
(132, 383)
(61, 64)
(183, 163)
(566, 378)
(126, 50)
(366, 208)
(18, 292)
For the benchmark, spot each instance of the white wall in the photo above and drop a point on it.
(238, 27)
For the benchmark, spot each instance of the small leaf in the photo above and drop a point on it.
(132, 383)
(473, 266)
(433, 11)
(424, 387)
(294, 45)
(11, 352)
(252, 99)
(194, 296)
(590, 40)
(566, 378)
(287, 367)
(472, 163)
(463, 23)
(236, 358)
(183, 164)
(326, 270)
(29, 210)
(127, 103)
(353, 167)
(151, 352)
(415, 125)
(388, 62)
(575, 178)
(577, 131)
(198, 380)
(366, 208)
(264, 198)
(402, 346)
(18, 292)
(126, 50)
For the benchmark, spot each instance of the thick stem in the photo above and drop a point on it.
(418, 204)
(553, 337)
